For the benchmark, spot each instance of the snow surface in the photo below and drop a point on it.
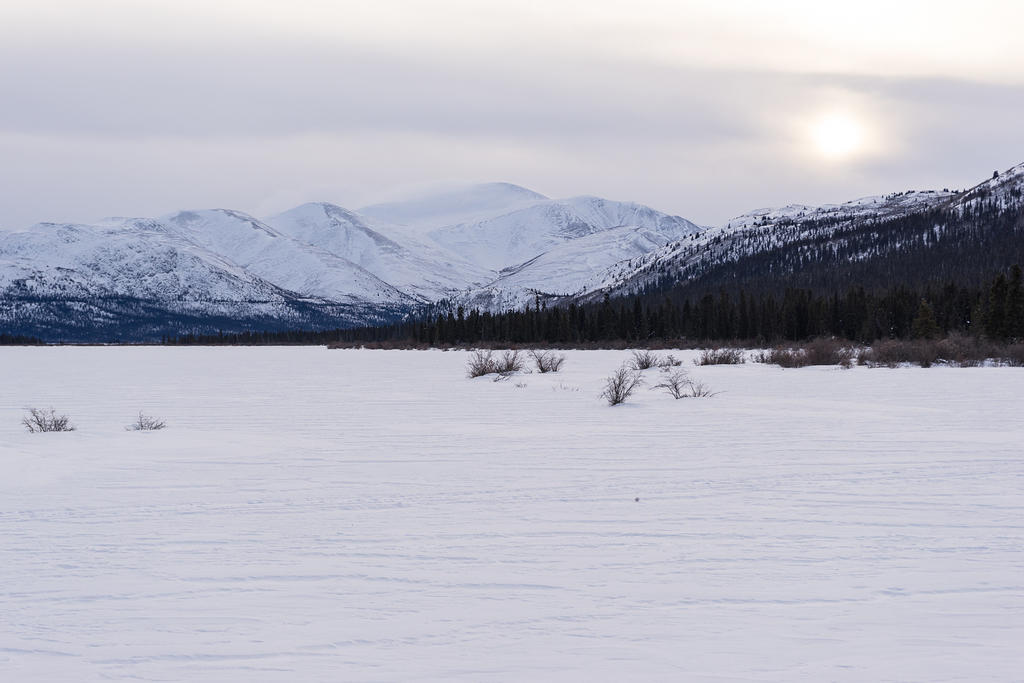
(315, 515)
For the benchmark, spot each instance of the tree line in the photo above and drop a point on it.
(994, 309)
(19, 340)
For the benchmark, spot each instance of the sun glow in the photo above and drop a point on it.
(838, 136)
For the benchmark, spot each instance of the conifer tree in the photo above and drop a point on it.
(924, 325)
(1015, 305)
(995, 311)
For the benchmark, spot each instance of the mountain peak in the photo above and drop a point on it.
(454, 204)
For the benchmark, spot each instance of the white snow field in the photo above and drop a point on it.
(316, 515)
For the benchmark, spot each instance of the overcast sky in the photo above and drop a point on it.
(703, 109)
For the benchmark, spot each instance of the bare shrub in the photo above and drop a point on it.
(821, 351)
(677, 384)
(888, 352)
(644, 359)
(39, 420)
(669, 361)
(826, 351)
(700, 390)
(956, 349)
(777, 356)
(721, 356)
(924, 352)
(963, 350)
(146, 423)
(1014, 355)
(621, 385)
(483, 362)
(509, 362)
(894, 352)
(547, 361)
(480, 363)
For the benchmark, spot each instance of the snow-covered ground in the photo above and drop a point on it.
(315, 515)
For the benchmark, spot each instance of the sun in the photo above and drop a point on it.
(838, 136)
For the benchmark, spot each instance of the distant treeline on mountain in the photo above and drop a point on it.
(963, 244)
(994, 310)
(19, 340)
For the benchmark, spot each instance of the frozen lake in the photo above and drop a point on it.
(315, 515)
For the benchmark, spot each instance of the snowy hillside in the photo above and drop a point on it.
(304, 268)
(135, 259)
(414, 265)
(512, 238)
(860, 230)
(567, 268)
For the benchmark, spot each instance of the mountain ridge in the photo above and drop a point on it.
(493, 246)
(320, 257)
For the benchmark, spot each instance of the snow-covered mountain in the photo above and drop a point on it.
(301, 267)
(783, 238)
(139, 279)
(517, 236)
(526, 243)
(135, 258)
(494, 245)
(568, 268)
(413, 265)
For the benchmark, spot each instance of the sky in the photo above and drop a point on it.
(699, 108)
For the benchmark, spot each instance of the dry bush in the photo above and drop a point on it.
(146, 423)
(965, 351)
(888, 352)
(825, 351)
(547, 361)
(39, 420)
(700, 390)
(777, 356)
(677, 384)
(821, 351)
(480, 363)
(483, 362)
(924, 352)
(956, 350)
(644, 359)
(669, 361)
(721, 356)
(1014, 355)
(621, 385)
(894, 352)
(509, 362)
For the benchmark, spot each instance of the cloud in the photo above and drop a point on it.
(144, 111)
